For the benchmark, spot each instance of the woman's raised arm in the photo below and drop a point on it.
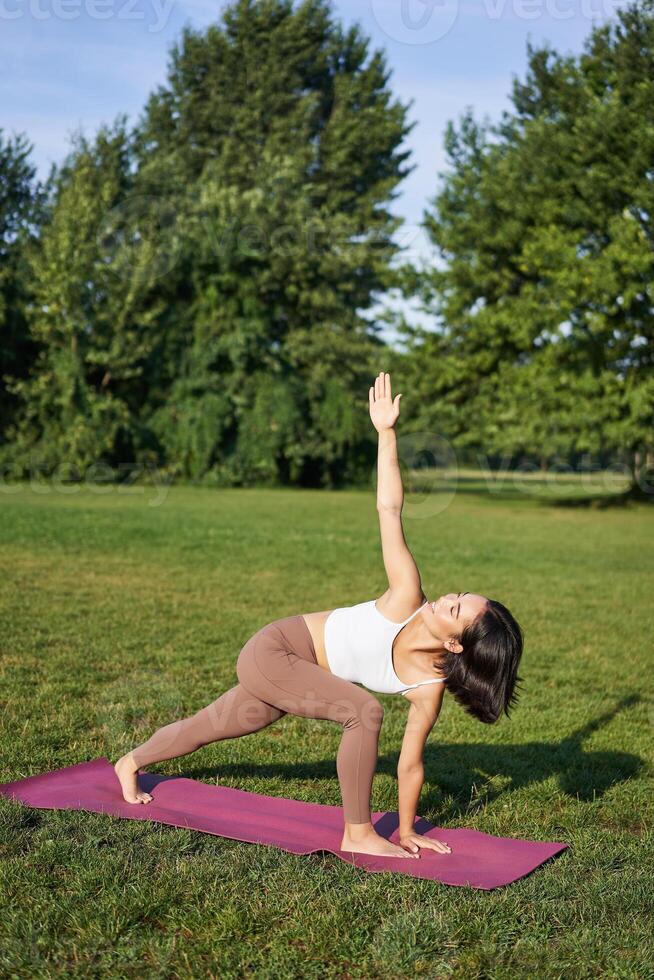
(401, 569)
(384, 413)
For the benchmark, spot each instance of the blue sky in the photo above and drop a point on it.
(68, 64)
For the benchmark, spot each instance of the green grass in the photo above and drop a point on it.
(119, 616)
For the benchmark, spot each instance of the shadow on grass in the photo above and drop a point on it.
(510, 487)
(467, 772)
(602, 501)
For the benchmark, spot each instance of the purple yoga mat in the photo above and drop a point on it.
(477, 860)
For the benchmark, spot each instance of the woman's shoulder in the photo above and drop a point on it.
(398, 606)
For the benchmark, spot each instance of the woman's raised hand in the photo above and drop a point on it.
(384, 410)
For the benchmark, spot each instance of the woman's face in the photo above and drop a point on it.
(448, 616)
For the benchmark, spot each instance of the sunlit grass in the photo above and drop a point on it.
(125, 610)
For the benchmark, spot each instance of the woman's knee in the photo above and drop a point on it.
(375, 711)
(368, 712)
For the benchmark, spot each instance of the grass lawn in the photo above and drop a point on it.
(124, 610)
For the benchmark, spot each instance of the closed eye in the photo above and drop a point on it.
(459, 606)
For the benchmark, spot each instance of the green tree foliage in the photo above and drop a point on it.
(199, 285)
(276, 143)
(18, 213)
(91, 313)
(545, 232)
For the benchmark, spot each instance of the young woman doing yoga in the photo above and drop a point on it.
(401, 643)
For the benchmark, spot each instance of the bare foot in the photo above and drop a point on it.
(127, 772)
(373, 843)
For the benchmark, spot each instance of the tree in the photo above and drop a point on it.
(276, 141)
(18, 211)
(545, 228)
(90, 313)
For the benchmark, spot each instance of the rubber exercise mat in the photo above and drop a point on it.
(477, 860)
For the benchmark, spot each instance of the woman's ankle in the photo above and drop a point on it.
(358, 831)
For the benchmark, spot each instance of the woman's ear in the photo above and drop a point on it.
(453, 645)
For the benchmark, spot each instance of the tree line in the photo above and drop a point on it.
(194, 292)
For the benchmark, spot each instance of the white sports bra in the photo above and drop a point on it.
(359, 647)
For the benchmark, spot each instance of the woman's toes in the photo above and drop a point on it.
(144, 797)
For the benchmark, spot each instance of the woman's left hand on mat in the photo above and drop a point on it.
(413, 843)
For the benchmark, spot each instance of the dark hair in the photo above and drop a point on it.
(483, 677)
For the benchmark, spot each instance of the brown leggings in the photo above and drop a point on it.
(279, 673)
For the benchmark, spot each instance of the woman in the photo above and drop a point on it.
(401, 643)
